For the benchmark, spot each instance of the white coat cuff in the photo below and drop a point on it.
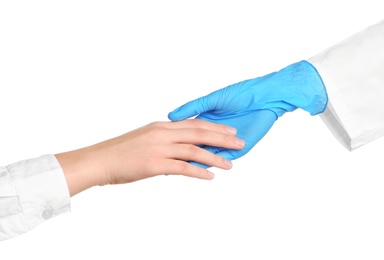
(353, 74)
(41, 193)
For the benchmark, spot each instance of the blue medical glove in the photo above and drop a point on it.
(252, 106)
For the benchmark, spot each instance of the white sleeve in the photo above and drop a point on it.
(31, 191)
(353, 73)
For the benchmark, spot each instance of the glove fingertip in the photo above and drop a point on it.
(180, 113)
(173, 116)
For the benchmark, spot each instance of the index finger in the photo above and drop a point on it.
(201, 124)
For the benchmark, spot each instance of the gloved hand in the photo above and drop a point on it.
(252, 106)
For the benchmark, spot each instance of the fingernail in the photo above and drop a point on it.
(231, 130)
(239, 142)
(211, 175)
(228, 163)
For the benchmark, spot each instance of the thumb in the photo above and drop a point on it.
(194, 108)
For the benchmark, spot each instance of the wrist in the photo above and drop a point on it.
(82, 169)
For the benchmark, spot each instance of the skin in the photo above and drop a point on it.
(155, 149)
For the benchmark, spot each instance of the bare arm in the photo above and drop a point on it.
(155, 149)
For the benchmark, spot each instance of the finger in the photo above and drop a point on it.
(206, 137)
(176, 167)
(187, 152)
(227, 154)
(202, 124)
(232, 154)
(194, 107)
(201, 165)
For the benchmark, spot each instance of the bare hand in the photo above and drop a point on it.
(155, 149)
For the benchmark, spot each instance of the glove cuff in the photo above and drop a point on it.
(298, 85)
(313, 91)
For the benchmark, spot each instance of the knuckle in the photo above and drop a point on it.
(156, 124)
(217, 160)
(183, 167)
(200, 123)
(200, 172)
(229, 139)
(193, 149)
(200, 133)
(196, 123)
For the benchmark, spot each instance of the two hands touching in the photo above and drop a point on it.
(252, 106)
(228, 124)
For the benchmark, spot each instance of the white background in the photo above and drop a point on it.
(73, 73)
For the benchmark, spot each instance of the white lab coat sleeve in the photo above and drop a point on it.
(31, 192)
(353, 74)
